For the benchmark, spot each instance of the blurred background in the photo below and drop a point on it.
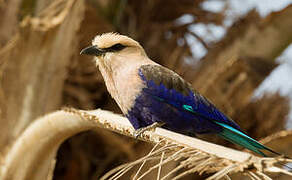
(236, 53)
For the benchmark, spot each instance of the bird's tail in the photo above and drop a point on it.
(237, 137)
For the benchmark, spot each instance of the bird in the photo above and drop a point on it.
(151, 95)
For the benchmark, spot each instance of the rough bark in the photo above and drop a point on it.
(8, 20)
(35, 66)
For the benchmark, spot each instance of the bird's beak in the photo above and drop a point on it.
(93, 51)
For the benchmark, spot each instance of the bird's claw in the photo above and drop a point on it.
(139, 131)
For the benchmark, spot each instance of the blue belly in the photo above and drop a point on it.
(150, 107)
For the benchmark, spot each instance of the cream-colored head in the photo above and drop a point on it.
(119, 58)
(107, 40)
(108, 47)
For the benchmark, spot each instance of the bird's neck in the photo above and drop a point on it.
(122, 79)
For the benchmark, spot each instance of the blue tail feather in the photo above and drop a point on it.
(237, 137)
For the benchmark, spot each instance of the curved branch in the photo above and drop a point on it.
(33, 154)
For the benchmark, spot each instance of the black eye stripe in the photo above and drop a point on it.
(114, 48)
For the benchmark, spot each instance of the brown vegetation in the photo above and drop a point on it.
(41, 70)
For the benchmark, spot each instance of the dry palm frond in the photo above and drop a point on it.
(192, 160)
(41, 140)
(193, 155)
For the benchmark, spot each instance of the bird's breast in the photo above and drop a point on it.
(128, 85)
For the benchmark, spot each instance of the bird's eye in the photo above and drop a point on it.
(116, 47)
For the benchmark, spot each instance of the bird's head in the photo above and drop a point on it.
(109, 46)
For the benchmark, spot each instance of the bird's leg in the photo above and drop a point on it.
(139, 131)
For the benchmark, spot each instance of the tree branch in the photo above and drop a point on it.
(37, 146)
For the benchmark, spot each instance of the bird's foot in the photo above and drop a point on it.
(139, 131)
